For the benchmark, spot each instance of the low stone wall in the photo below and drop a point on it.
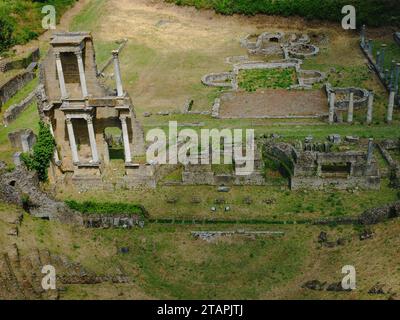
(21, 187)
(23, 139)
(11, 64)
(302, 50)
(223, 79)
(11, 87)
(112, 221)
(376, 215)
(16, 109)
(394, 172)
(215, 108)
(360, 97)
(309, 77)
(258, 47)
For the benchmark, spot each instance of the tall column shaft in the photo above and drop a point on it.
(363, 36)
(125, 136)
(370, 107)
(56, 157)
(117, 72)
(72, 143)
(370, 151)
(389, 116)
(351, 108)
(61, 80)
(332, 107)
(82, 74)
(92, 139)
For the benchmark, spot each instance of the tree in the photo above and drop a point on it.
(43, 151)
(6, 33)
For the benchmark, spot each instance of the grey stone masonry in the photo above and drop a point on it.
(370, 107)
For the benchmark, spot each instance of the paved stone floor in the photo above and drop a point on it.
(274, 103)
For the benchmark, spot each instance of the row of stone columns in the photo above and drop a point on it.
(82, 77)
(92, 139)
(350, 113)
(61, 79)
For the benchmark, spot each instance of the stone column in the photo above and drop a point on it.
(382, 56)
(106, 153)
(397, 78)
(56, 157)
(370, 47)
(370, 152)
(351, 108)
(72, 143)
(61, 80)
(82, 74)
(117, 72)
(378, 60)
(92, 139)
(332, 107)
(389, 116)
(363, 36)
(370, 107)
(125, 136)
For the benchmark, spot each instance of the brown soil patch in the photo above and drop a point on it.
(273, 103)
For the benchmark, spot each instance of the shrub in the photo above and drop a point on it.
(91, 207)
(6, 33)
(370, 12)
(43, 151)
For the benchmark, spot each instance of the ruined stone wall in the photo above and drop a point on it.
(16, 109)
(50, 78)
(12, 64)
(11, 87)
(94, 88)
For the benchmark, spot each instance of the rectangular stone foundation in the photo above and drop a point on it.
(371, 182)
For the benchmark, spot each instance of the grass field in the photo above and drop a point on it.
(165, 261)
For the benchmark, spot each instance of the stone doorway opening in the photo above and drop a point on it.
(115, 144)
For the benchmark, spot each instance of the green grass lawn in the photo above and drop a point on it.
(272, 203)
(251, 80)
(21, 94)
(29, 119)
(170, 263)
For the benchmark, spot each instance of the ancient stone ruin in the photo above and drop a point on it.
(79, 108)
(316, 166)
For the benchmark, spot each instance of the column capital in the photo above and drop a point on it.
(78, 54)
(68, 120)
(57, 55)
(115, 53)
(123, 119)
(89, 118)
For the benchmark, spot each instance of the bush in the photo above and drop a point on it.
(370, 12)
(6, 33)
(21, 20)
(90, 207)
(43, 151)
